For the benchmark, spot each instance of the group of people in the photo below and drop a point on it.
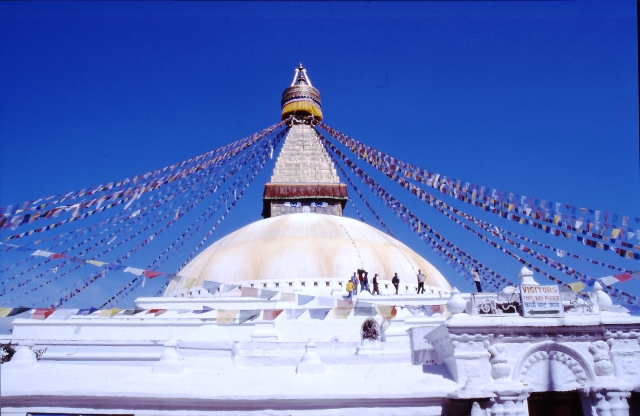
(362, 277)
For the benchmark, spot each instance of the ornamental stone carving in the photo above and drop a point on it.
(552, 370)
(601, 362)
(499, 367)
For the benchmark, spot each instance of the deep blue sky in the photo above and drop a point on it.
(534, 98)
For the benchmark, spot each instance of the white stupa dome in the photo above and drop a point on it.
(305, 246)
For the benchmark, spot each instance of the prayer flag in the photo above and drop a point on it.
(18, 311)
(133, 311)
(225, 287)
(341, 313)
(304, 299)
(249, 292)
(326, 302)
(225, 317)
(4, 312)
(157, 312)
(248, 315)
(42, 313)
(435, 309)
(365, 309)
(577, 286)
(151, 274)
(205, 309)
(267, 294)
(344, 304)
(211, 287)
(42, 253)
(77, 260)
(134, 271)
(96, 263)
(271, 314)
(287, 297)
(109, 312)
(319, 313)
(294, 313)
(86, 311)
(609, 280)
(386, 311)
(113, 266)
(63, 314)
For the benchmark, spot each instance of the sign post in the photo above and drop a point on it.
(541, 301)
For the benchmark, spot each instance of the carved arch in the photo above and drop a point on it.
(565, 369)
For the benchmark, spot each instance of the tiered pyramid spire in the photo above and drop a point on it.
(304, 178)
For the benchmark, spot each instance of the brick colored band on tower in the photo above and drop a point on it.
(300, 190)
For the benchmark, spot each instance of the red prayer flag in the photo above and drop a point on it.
(151, 274)
(58, 256)
(270, 315)
(157, 312)
(623, 277)
(42, 313)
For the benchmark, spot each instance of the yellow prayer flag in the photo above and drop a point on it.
(287, 297)
(556, 219)
(615, 232)
(4, 312)
(386, 311)
(96, 263)
(109, 312)
(341, 313)
(226, 316)
(577, 286)
(511, 207)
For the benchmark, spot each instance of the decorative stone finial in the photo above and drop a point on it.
(526, 277)
(603, 300)
(311, 363)
(456, 303)
(170, 362)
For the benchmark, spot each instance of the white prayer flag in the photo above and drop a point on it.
(133, 270)
(42, 253)
(227, 287)
(609, 280)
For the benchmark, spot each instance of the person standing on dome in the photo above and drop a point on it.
(476, 278)
(354, 280)
(396, 282)
(350, 287)
(365, 283)
(361, 274)
(375, 285)
(420, 282)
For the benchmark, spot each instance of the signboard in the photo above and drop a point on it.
(541, 301)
